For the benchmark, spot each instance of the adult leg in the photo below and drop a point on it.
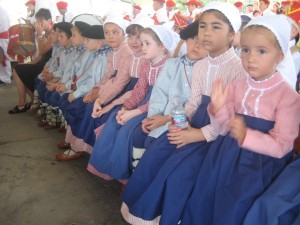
(21, 90)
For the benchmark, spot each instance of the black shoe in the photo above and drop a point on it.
(16, 109)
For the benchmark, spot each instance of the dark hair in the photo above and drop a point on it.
(255, 11)
(134, 29)
(43, 14)
(67, 34)
(220, 16)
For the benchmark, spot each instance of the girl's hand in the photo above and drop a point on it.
(71, 97)
(178, 136)
(105, 109)
(96, 109)
(129, 114)
(51, 86)
(181, 137)
(61, 88)
(218, 95)
(238, 129)
(145, 125)
(156, 121)
(173, 129)
(47, 76)
(119, 114)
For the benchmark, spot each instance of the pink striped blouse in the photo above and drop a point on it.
(227, 66)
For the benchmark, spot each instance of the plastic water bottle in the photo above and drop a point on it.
(178, 115)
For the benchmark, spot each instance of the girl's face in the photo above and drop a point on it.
(134, 43)
(260, 53)
(114, 35)
(194, 49)
(77, 39)
(214, 34)
(93, 44)
(151, 49)
(63, 40)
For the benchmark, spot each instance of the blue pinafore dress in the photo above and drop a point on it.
(77, 113)
(280, 203)
(112, 153)
(89, 124)
(165, 176)
(230, 180)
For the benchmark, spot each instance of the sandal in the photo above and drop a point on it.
(16, 109)
(69, 154)
(63, 145)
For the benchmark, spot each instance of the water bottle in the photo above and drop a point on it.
(178, 115)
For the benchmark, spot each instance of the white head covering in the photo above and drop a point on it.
(117, 20)
(168, 37)
(143, 20)
(281, 28)
(229, 11)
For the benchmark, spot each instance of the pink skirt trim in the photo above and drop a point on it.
(104, 176)
(136, 220)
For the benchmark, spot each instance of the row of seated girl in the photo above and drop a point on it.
(243, 116)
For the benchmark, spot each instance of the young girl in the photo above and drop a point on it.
(164, 178)
(85, 139)
(114, 81)
(85, 77)
(47, 73)
(112, 150)
(56, 87)
(258, 119)
(174, 81)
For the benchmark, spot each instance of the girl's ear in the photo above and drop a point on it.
(280, 57)
(100, 42)
(231, 37)
(164, 49)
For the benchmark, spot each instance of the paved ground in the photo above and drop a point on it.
(35, 189)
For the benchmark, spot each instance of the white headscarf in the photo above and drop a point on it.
(281, 28)
(118, 20)
(168, 37)
(229, 11)
(143, 20)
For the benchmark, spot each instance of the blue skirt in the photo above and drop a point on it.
(165, 176)
(112, 153)
(73, 112)
(41, 89)
(230, 179)
(52, 98)
(280, 203)
(89, 124)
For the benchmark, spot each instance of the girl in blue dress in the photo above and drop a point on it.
(257, 118)
(112, 151)
(165, 176)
